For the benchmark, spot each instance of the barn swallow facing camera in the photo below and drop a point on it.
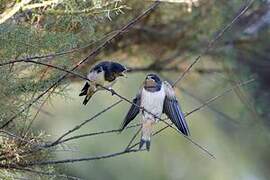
(105, 74)
(156, 97)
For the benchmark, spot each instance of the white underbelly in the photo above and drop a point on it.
(98, 78)
(152, 102)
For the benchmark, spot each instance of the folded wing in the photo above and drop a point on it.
(84, 89)
(172, 109)
(133, 111)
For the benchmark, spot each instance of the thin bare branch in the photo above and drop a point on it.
(122, 98)
(79, 159)
(220, 95)
(209, 46)
(84, 78)
(17, 137)
(199, 108)
(171, 69)
(84, 122)
(215, 110)
(213, 41)
(190, 140)
(94, 53)
(196, 109)
(91, 55)
(96, 133)
(133, 138)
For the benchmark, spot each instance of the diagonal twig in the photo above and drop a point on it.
(84, 122)
(213, 41)
(96, 133)
(115, 93)
(122, 152)
(53, 162)
(133, 138)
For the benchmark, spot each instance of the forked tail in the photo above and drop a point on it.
(87, 92)
(146, 134)
(84, 89)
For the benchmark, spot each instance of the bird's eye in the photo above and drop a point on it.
(99, 70)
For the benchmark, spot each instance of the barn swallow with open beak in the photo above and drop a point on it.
(105, 74)
(155, 97)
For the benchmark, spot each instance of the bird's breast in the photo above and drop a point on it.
(96, 77)
(152, 102)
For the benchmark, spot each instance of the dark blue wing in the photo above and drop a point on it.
(133, 112)
(84, 89)
(172, 109)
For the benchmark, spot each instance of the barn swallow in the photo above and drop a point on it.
(155, 97)
(105, 74)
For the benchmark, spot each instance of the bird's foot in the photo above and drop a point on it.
(142, 142)
(112, 91)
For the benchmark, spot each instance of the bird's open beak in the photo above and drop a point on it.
(123, 74)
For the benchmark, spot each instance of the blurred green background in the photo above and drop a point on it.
(237, 143)
(235, 127)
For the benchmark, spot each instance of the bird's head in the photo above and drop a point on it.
(152, 81)
(118, 69)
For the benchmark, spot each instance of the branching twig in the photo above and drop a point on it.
(17, 137)
(133, 138)
(209, 46)
(84, 122)
(189, 139)
(94, 53)
(91, 55)
(202, 106)
(169, 125)
(112, 91)
(210, 107)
